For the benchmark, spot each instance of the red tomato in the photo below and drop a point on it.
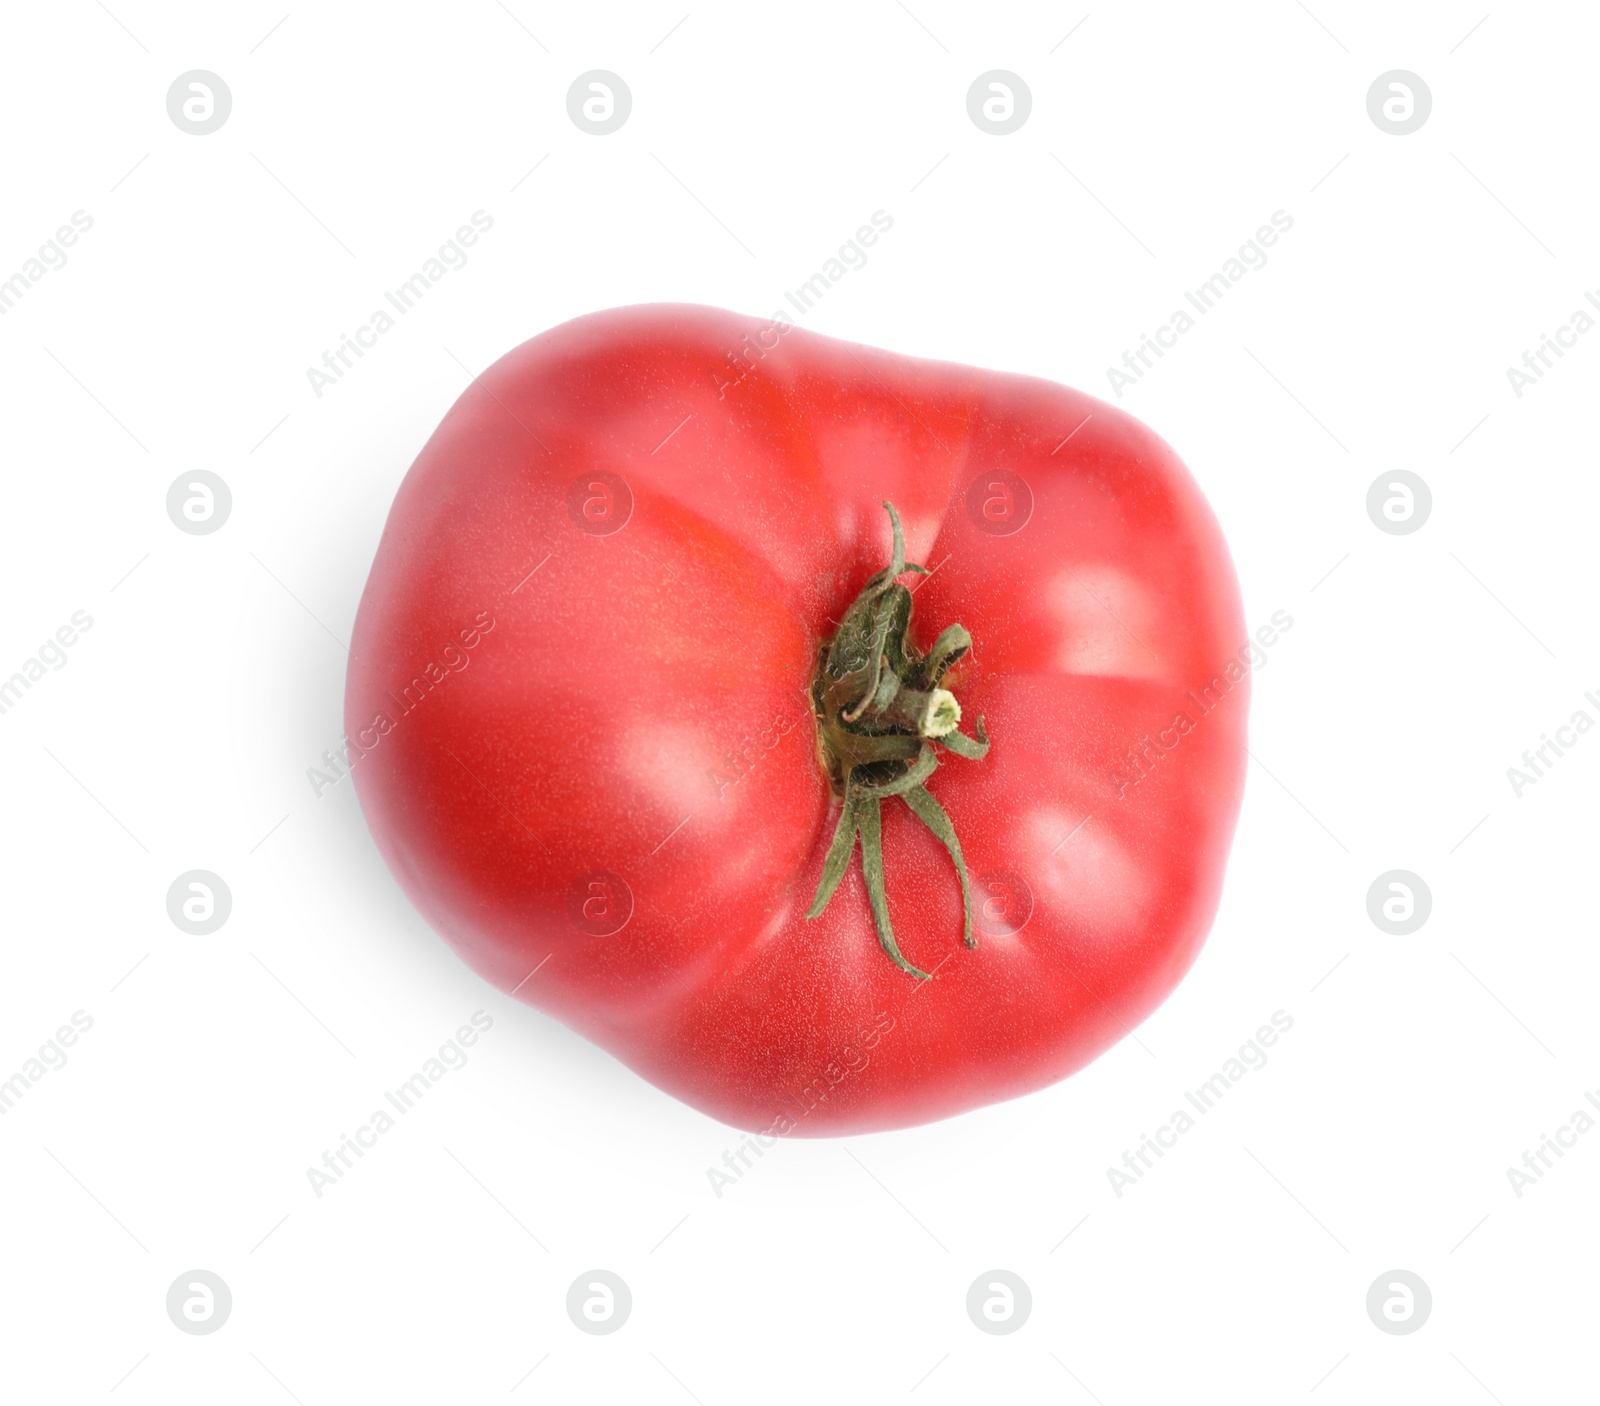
(585, 697)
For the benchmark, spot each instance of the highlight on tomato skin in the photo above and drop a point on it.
(842, 740)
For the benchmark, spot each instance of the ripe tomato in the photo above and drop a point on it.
(633, 644)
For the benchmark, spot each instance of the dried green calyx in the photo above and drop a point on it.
(880, 711)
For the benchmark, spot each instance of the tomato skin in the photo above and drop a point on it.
(632, 737)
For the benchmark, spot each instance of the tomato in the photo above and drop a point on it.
(637, 641)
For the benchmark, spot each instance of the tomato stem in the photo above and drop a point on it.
(880, 711)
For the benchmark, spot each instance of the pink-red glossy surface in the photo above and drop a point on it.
(588, 705)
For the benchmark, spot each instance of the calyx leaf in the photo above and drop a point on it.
(881, 712)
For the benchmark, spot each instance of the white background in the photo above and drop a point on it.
(178, 734)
